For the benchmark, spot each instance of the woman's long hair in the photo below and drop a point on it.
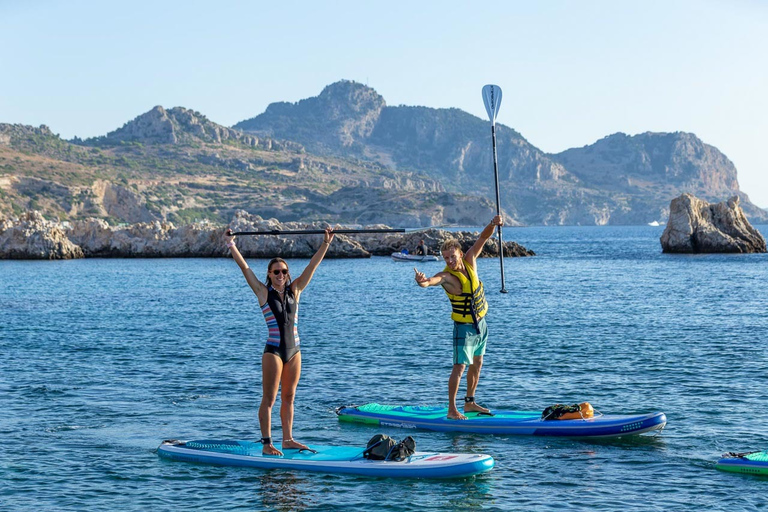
(269, 271)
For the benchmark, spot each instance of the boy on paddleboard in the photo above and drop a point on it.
(461, 283)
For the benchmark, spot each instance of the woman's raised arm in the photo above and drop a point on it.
(257, 286)
(301, 282)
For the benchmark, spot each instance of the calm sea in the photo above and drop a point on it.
(102, 359)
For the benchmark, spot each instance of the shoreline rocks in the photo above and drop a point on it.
(696, 226)
(31, 236)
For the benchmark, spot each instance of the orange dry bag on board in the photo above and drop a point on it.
(568, 412)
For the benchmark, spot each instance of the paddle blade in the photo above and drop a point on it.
(492, 100)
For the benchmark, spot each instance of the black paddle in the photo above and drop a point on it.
(492, 100)
(320, 231)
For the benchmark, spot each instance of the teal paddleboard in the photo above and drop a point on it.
(752, 463)
(502, 422)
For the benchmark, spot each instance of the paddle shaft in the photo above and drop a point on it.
(498, 206)
(316, 232)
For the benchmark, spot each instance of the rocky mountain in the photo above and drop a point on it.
(348, 118)
(650, 164)
(675, 159)
(619, 180)
(334, 122)
(178, 126)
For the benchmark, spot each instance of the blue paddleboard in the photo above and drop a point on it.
(328, 459)
(502, 422)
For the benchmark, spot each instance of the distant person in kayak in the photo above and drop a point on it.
(461, 283)
(422, 249)
(281, 361)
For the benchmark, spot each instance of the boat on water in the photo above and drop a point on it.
(402, 256)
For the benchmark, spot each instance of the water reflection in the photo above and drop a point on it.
(284, 491)
(474, 493)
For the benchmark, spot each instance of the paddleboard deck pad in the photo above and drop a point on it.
(502, 422)
(328, 459)
(752, 463)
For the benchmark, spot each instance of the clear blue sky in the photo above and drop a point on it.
(572, 72)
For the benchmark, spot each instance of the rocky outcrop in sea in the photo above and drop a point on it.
(31, 236)
(696, 226)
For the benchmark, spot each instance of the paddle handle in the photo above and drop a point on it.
(275, 232)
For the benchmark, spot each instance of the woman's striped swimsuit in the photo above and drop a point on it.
(282, 317)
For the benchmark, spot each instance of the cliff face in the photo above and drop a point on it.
(455, 146)
(102, 198)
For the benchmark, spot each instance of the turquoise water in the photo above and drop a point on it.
(103, 359)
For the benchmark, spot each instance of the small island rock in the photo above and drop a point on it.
(696, 226)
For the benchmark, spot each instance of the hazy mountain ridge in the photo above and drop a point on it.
(346, 156)
(621, 180)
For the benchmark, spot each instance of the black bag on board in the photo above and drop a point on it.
(403, 449)
(383, 447)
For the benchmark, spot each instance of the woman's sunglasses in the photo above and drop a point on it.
(279, 271)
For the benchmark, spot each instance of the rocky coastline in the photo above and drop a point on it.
(32, 236)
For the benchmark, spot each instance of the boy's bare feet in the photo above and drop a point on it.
(473, 407)
(454, 414)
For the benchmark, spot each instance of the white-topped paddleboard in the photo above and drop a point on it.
(327, 459)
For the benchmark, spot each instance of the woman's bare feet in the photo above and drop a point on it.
(290, 444)
(269, 449)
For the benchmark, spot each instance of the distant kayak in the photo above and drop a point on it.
(400, 256)
(328, 459)
(502, 422)
(752, 463)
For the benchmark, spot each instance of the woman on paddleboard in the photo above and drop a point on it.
(281, 361)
